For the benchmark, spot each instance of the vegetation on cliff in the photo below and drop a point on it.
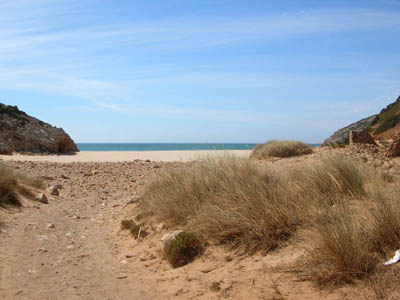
(387, 119)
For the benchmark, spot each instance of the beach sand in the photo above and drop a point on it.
(119, 156)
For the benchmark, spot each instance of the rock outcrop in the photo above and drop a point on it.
(342, 135)
(394, 149)
(360, 137)
(20, 132)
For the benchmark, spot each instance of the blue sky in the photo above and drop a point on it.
(197, 71)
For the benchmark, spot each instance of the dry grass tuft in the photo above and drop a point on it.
(354, 226)
(13, 184)
(226, 199)
(341, 250)
(331, 179)
(281, 149)
(183, 249)
(8, 188)
(385, 221)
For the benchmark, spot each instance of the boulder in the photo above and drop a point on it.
(360, 137)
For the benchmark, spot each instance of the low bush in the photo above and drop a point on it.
(281, 149)
(134, 228)
(183, 249)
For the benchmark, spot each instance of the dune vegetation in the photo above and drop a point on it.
(13, 185)
(349, 213)
(281, 149)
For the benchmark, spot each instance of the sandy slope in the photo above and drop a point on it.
(119, 156)
(87, 256)
(76, 259)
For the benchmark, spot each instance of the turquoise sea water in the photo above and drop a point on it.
(164, 146)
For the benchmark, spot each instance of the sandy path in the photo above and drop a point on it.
(75, 259)
(119, 156)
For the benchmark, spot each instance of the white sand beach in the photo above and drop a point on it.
(118, 156)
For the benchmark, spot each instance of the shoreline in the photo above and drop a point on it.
(121, 156)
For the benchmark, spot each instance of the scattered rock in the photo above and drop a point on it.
(42, 198)
(50, 226)
(215, 286)
(59, 186)
(53, 191)
(160, 226)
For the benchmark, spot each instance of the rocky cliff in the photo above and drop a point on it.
(342, 135)
(382, 126)
(20, 132)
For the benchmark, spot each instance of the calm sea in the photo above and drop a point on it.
(163, 146)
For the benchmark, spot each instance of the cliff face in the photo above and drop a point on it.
(20, 132)
(382, 126)
(342, 135)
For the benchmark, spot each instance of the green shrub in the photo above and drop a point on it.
(281, 149)
(183, 249)
(133, 228)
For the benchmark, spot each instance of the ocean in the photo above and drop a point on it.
(164, 146)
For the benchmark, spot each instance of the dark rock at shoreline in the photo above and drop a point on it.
(20, 132)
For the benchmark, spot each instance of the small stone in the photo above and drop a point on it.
(59, 186)
(42, 250)
(129, 255)
(160, 226)
(50, 226)
(122, 277)
(143, 258)
(148, 160)
(64, 176)
(53, 191)
(76, 217)
(124, 262)
(70, 247)
(42, 198)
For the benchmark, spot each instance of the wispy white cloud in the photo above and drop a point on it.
(41, 50)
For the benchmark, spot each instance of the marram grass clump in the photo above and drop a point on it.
(281, 149)
(13, 185)
(183, 249)
(226, 199)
